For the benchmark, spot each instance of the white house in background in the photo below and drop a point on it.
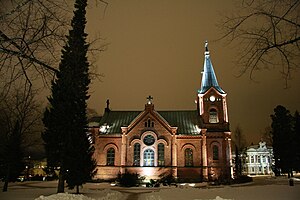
(258, 159)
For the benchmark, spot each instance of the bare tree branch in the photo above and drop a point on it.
(265, 32)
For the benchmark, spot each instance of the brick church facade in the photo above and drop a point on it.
(188, 144)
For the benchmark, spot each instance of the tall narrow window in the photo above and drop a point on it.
(161, 154)
(213, 116)
(215, 152)
(188, 157)
(110, 157)
(136, 154)
(148, 157)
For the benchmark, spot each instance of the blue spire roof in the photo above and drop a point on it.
(209, 78)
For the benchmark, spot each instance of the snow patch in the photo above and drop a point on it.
(217, 198)
(66, 196)
(157, 197)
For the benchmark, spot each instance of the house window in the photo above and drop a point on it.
(148, 157)
(161, 154)
(215, 152)
(188, 157)
(213, 116)
(110, 157)
(258, 159)
(252, 159)
(136, 154)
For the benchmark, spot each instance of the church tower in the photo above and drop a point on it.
(212, 108)
(212, 104)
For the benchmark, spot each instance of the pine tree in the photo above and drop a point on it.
(65, 136)
(296, 141)
(282, 139)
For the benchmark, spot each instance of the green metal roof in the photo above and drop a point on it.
(186, 121)
(117, 119)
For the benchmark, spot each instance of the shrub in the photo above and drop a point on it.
(242, 179)
(128, 180)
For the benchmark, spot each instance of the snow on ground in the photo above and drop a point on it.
(47, 191)
(263, 189)
(274, 192)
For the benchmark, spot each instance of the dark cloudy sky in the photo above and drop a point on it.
(156, 47)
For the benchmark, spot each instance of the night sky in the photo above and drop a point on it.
(157, 48)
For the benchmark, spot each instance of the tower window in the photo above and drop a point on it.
(213, 116)
(161, 154)
(110, 157)
(188, 156)
(136, 154)
(215, 152)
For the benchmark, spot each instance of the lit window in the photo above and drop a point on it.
(149, 157)
(215, 152)
(110, 159)
(213, 116)
(136, 154)
(188, 157)
(161, 154)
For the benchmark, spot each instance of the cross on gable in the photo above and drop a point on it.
(149, 98)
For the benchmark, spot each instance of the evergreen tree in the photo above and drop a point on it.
(296, 141)
(239, 144)
(65, 136)
(282, 139)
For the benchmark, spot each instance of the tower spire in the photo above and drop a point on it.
(209, 78)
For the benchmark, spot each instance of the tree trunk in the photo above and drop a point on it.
(5, 186)
(61, 182)
(77, 189)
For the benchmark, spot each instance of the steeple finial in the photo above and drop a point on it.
(206, 48)
(107, 109)
(149, 99)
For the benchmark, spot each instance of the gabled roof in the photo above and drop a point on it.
(117, 119)
(209, 78)
(186, 121)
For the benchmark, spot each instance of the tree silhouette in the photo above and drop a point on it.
(19, 124)
(239, 147)
(66, 139)
(282, 140)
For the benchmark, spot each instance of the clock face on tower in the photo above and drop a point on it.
(212, 98)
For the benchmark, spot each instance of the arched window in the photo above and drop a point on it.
(188, 156)
(148, 157)
(136, 154)
(161, 154)
(213, 116)
(215, 152)
(110, 157)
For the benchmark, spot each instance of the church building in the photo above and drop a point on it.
(187, 144)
